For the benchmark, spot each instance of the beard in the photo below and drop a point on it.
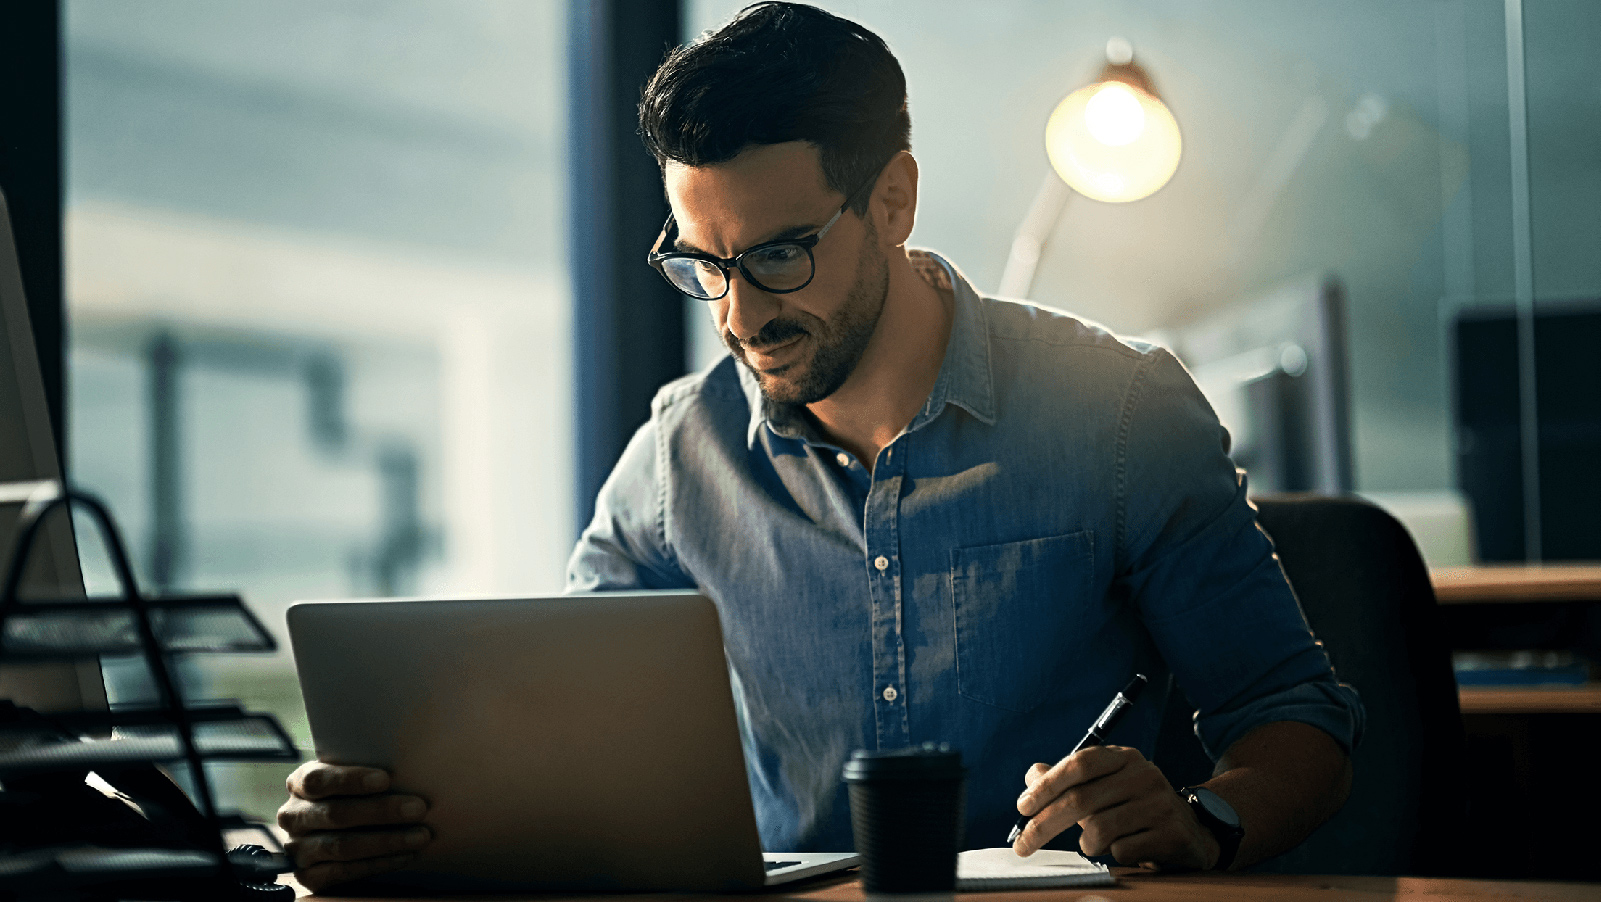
(839, 341)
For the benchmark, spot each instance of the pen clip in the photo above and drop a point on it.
(1104, 722)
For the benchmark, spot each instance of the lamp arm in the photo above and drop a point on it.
(1032, 234)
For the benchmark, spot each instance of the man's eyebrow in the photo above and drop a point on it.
(684, 247)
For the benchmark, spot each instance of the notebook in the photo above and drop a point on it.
(986, 869)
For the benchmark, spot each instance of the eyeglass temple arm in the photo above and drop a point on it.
(661, 238)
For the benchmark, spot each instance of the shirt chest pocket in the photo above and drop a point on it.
(1014, 616)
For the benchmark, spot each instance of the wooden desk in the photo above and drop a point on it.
(1514, 584)
(1530, 699)
(1142, 886)
(1532, 743)
(1502, 583)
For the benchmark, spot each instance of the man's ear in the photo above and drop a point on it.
(894, 202)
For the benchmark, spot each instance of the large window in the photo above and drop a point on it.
(318, 309)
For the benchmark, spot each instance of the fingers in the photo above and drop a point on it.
(1082, 767)
(1124, 803)
(1110, 827)
(1075, 805)
(319, 877)
(1097, 788)
(316, 780)
(1170, 845)
(329, 807)
(351, 845)
(299, 816)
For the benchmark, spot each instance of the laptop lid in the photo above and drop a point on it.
(570, 743)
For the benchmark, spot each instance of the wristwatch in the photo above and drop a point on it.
(1218, 817)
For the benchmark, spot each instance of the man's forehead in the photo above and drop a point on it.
(768, 187)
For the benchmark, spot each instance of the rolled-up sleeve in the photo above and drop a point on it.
(1208, 586)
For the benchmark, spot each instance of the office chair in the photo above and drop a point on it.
(1367, 596)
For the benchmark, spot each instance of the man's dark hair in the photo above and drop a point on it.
(781, 72)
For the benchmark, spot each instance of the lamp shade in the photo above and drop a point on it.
(1114, 140)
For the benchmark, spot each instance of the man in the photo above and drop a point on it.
(923, 514)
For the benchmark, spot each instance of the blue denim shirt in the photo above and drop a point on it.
(1060, 514)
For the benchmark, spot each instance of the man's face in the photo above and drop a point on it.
(802, 345)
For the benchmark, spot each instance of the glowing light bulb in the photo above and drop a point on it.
(1113, 115)
(1112, 141)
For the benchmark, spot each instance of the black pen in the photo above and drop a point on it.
(1095, 736)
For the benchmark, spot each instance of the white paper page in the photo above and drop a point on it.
(1001, 867)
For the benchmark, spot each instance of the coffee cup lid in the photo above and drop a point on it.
(929, 761)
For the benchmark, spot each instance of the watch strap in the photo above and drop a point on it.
(1228, 835)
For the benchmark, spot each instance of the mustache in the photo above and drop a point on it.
(774, 333)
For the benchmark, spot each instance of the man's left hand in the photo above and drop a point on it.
(1125, 805)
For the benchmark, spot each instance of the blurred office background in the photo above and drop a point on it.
(318, 304)
(319, 280)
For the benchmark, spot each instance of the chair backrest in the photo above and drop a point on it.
(1367, 596)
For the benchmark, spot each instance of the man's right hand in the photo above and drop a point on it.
(344, 824)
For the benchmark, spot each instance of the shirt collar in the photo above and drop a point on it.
(964, 375)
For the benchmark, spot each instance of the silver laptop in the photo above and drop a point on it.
(572, 743)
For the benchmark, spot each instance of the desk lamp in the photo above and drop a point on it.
(1112, 140)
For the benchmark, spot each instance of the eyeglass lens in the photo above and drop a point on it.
(777, 267)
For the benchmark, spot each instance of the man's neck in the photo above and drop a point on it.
(897, 370)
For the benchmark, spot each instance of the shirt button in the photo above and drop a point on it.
(890, 694)
(881, 562)
(844, 459)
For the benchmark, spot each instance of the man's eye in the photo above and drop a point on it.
(779, 254)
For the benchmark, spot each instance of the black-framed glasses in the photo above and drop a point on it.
(776, 267)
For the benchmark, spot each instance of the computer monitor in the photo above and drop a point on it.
(1489, 415)
(1274, 369)
(28, 454)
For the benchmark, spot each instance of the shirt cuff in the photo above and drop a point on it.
(1331, 706)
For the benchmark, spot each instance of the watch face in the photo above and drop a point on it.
(1215, 806)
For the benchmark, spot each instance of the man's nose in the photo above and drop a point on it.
(749, 307)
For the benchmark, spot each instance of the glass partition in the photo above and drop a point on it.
(1367, 142)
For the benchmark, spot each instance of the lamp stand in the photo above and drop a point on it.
(1029, 244)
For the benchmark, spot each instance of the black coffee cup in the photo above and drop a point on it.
(906, 814)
